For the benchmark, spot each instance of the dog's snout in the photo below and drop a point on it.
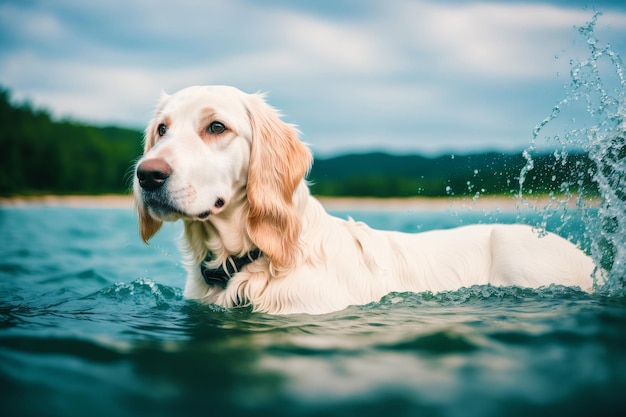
(152, 173)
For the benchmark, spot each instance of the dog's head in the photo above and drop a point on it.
(208, 148)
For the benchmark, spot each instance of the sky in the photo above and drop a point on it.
(402, 76)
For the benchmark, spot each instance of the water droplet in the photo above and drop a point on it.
(599, 132)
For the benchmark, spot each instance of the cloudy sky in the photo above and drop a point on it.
(397, 75)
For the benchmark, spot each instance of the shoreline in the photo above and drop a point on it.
(486, 203)
(76, 201)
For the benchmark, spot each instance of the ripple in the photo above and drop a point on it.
(477, 294)
(442, 342)
(142, 291)
(13, 268)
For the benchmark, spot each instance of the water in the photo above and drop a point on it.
(92, 322)
(590, 118)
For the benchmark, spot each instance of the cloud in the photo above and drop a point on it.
(400, 74)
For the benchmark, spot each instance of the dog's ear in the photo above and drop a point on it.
(148, 226)
(278, 164)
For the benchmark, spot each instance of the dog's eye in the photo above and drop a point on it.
(162, 129)
(216, 128)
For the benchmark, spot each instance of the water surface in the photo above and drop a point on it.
(93, 322)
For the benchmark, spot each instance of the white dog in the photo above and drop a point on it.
(224, 163)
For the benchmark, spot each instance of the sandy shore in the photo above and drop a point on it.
(417, 203)
(484, 203)
(87, 201)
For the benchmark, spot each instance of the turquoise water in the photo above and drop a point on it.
(92, 322)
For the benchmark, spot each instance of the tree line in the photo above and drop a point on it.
(42, 155)
(383, 175)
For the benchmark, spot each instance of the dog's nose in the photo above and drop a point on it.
(152, 173)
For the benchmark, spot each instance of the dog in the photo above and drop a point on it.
(224, 163)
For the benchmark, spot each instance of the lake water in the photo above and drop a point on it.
(93, 322)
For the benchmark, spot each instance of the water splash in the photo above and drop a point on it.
(143, 291)
(595, 101)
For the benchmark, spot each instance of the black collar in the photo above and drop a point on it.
(220, 276)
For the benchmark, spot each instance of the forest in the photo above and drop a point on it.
(41, 155)
(489, 173)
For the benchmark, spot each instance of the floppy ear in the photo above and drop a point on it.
(278, 164)
(148, 225)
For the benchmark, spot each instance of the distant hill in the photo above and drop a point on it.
(384, 175)
(40, 155)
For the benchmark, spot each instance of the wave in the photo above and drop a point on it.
(142, 291)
